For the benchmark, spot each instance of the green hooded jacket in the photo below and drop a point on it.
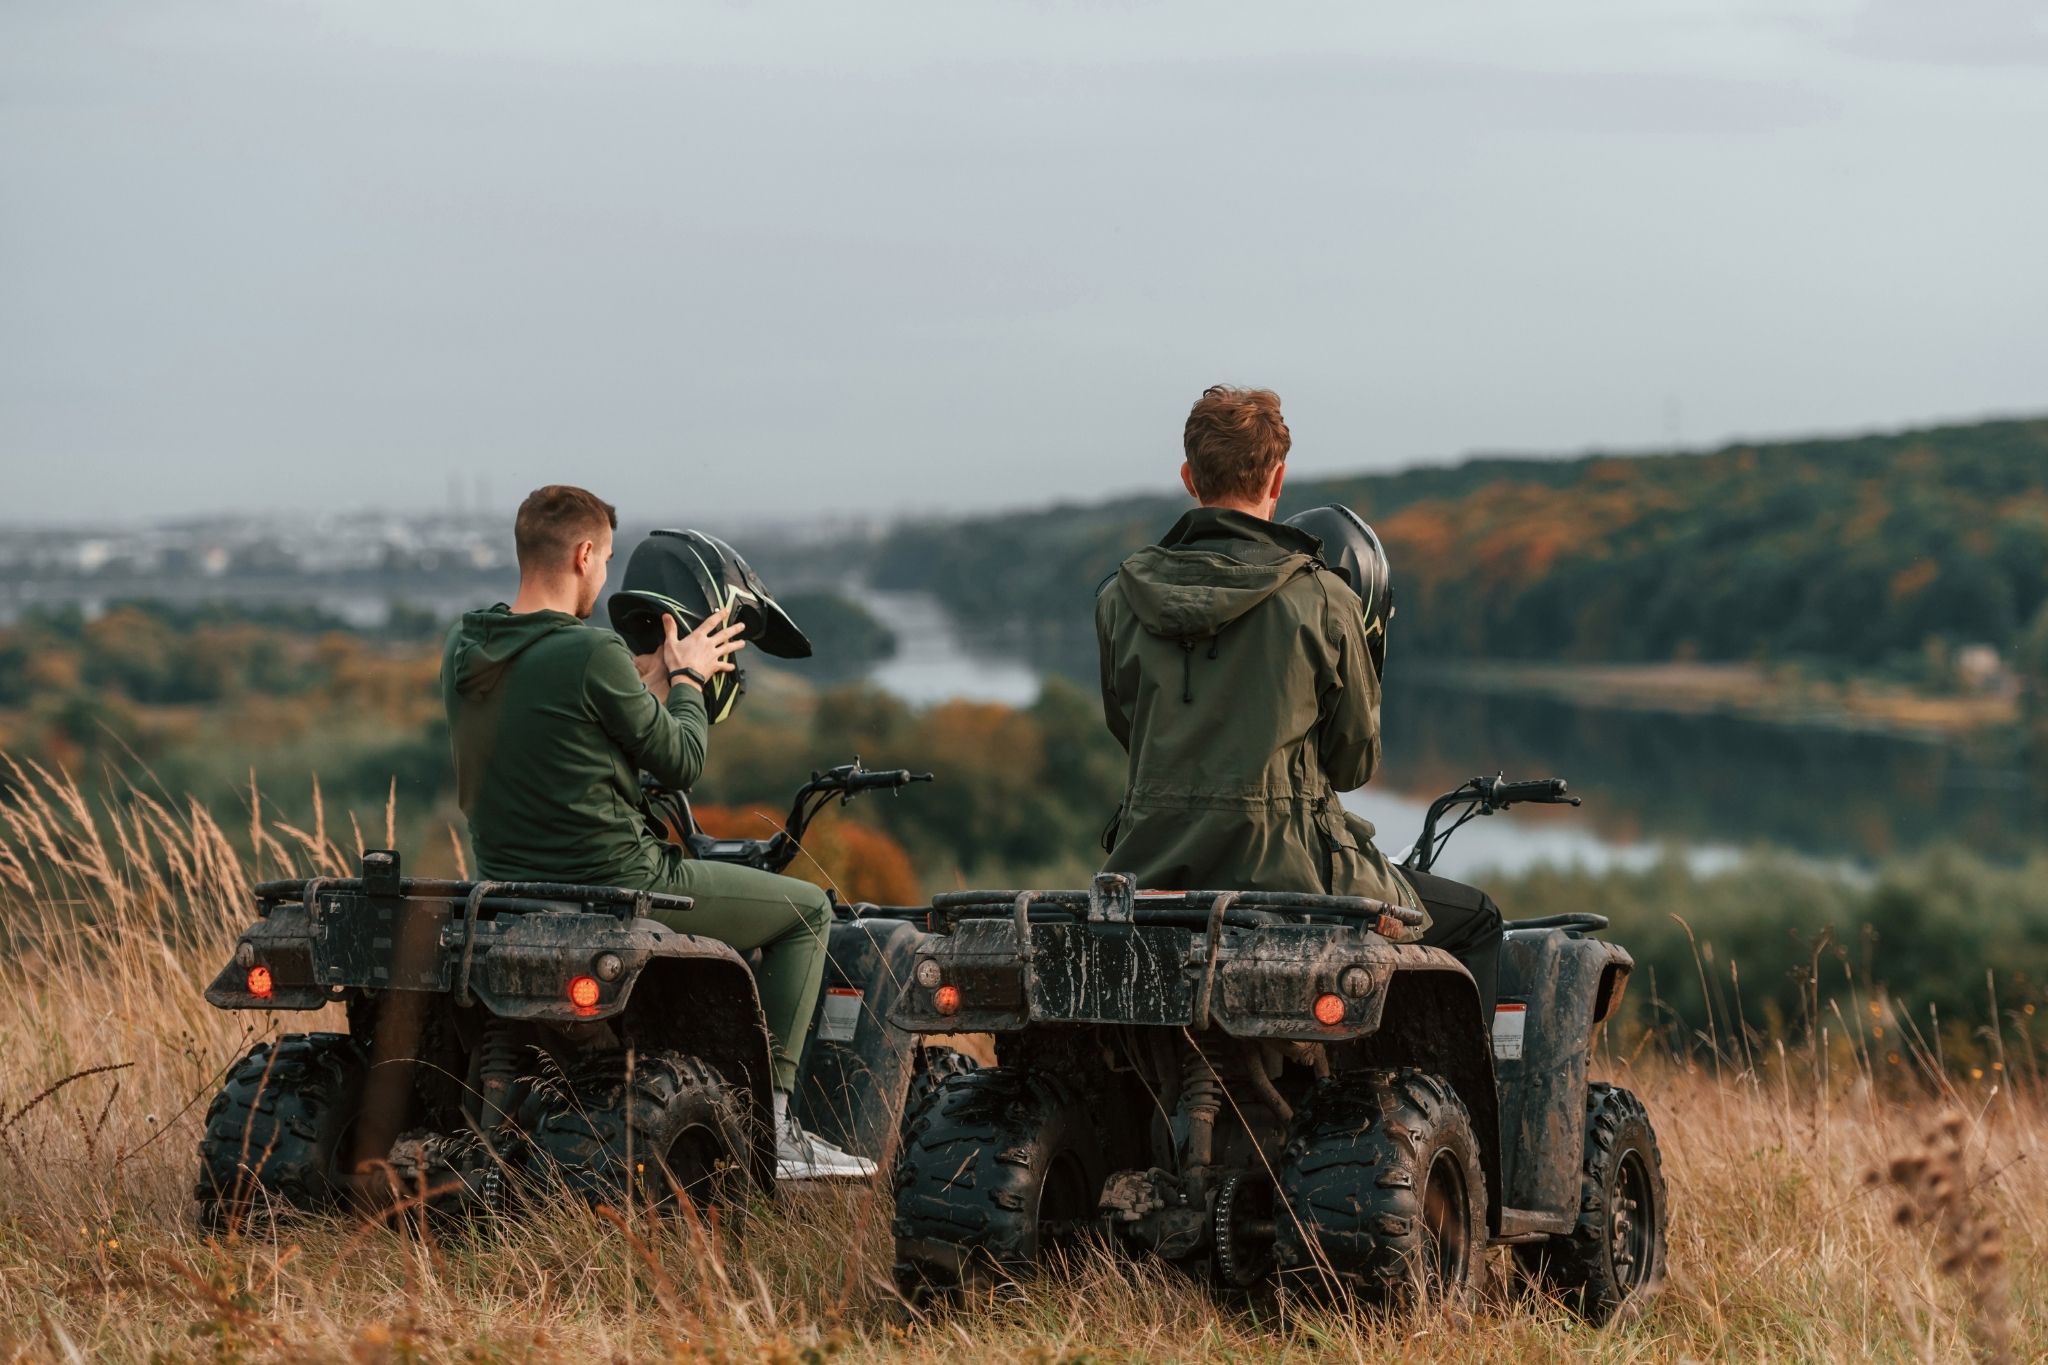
(1235, 674)
(551, 728)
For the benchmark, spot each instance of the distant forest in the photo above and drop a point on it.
(1854, 551)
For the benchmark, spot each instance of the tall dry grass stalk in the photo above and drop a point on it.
(116, 908)
(1938, 1194)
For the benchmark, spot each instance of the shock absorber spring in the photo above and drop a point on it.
(1201, 1100)
(497, 1071)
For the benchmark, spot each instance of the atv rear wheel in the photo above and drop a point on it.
(275, 1138)
(1382, 1194)
(997, 1166)
(931, 1068)
(1613, 1261)
(658, 1127)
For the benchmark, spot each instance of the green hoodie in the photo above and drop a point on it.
(551, 727)
(1235, 673)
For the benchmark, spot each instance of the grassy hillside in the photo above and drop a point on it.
(1858, 550)
(1784, 1241)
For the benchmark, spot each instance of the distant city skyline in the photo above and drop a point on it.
(790, 260)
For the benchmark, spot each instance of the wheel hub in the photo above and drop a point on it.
(1630, 1226)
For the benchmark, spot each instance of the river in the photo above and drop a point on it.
(1707, 788)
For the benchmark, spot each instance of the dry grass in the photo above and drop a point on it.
(1784, 1245)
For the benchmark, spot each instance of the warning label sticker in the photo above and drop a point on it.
(842, 1014)
(1508, 1019)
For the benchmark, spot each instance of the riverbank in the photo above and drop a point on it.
(1776, 694)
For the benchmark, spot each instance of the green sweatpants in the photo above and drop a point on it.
(786, 919)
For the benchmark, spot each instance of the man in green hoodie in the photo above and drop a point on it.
(553, 721)
(1236, 674)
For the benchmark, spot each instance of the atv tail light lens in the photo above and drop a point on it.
(1329, 1010)
(260, 983)
(946, 1000)
(610, 966)
(927, 973)
(583, 992)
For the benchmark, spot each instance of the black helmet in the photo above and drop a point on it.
(689, 575)
(1352, 549)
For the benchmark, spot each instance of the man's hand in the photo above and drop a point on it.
(708, 649)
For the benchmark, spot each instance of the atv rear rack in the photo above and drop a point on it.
(628, 903)
(1113, 899)
(381, 882)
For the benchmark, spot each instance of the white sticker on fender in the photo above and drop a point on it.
(842, 1014)
(1508, 1020)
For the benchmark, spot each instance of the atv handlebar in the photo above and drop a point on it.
(1550, 790)
(779, 849)
(862, 780)
(846, 781)
(1481, 796)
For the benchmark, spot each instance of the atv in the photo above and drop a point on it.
(1270, 1089)
(503, 1035)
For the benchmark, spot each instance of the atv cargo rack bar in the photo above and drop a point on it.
(628, 903)
(1112, 900)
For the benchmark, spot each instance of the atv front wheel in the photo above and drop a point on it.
(997, 1166)
(1382, 1194)
(1613, 1261)
(275, 1136)
(662, 1126)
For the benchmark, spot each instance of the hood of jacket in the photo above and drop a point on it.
(1213, 567)
(484, 643)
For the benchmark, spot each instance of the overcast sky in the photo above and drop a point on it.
(746, 257)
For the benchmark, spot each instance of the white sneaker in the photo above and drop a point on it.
(806, 1156)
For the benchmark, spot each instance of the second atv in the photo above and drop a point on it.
(1267, 1086)
(502, 1034)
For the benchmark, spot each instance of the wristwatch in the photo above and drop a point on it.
(703, 683)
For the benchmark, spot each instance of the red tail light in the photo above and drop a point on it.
(1329, 1010)
(260, 984)
(583, 992)
(946, 1000)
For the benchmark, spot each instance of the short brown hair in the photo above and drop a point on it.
(1235, 438)
(556, 519)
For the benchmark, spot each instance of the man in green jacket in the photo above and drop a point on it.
(1236, 674)
(553, 721)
